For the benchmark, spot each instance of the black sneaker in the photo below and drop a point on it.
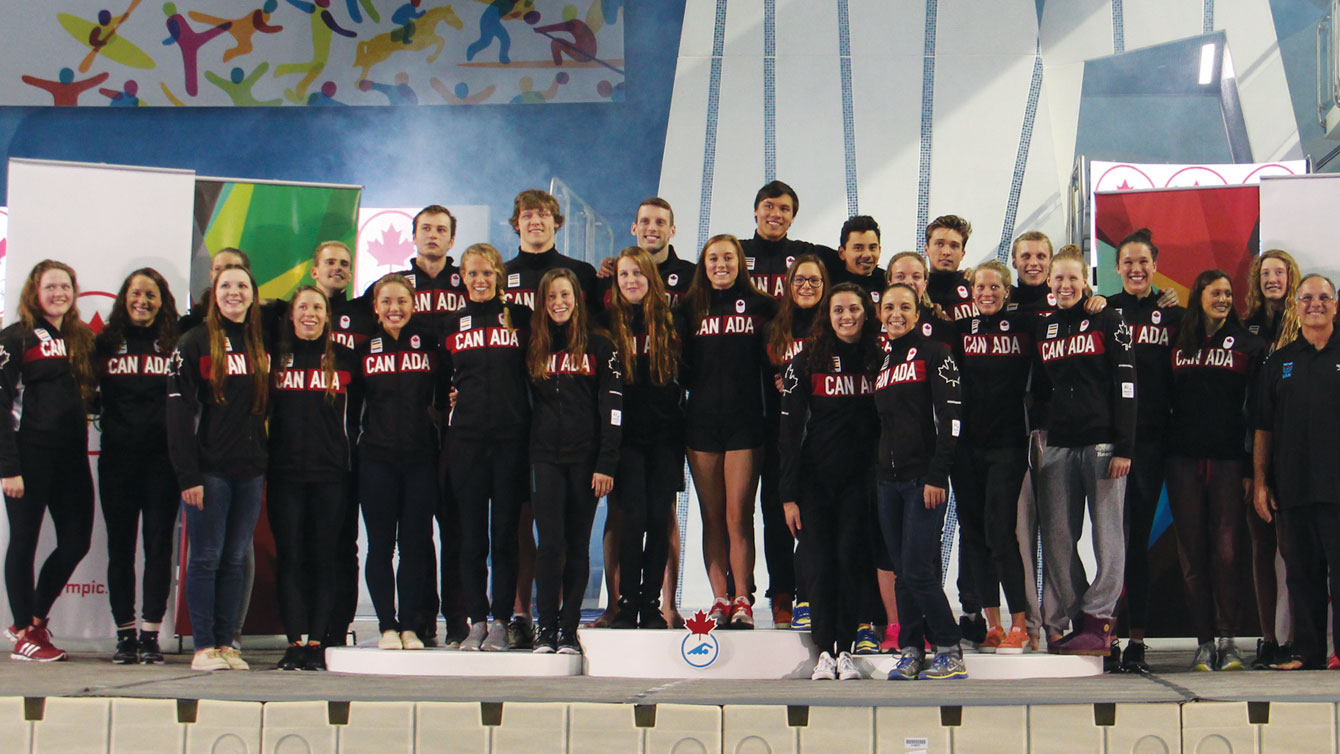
(546, 642)
(1266, 652)
(1133, 659)
(627, 615)
(567, 642)
(127, 651)
(150, 654)
(314, 657)
(520, 633)
(649, 615)
(973, 630)
(294, 658)
(1112, 660)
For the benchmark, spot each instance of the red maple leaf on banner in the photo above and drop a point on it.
(96, 324)
(389, 253)
(699, 624)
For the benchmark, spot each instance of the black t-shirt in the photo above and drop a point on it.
(1299, 404)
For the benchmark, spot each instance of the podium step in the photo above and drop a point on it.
(1000, 667)
(450, 662)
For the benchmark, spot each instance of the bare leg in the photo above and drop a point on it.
(670, 587)
(709, 480)
(741, 483)
(992, 616)
(886, 581)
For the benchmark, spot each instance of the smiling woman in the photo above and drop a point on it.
(46, 381)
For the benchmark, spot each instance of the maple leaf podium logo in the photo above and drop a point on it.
(394, 251)
(700, 648)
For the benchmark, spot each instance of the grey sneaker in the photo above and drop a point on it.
(475, 638)
(496, 641)
(1226, 655)
(1204, 660)
(908, 666)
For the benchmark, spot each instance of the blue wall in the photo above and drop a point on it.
(609, 153)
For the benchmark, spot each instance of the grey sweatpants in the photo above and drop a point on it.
(1067, 479)
(1049, 612)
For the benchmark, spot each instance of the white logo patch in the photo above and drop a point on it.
(1156, 316)
(790, 261)
(673, 279)
(465, 323)
(962, 292)
(949, 372)
(911, 354)
(749, 262)
(616, 417)
(1004, 325)
(1083, 326)
(413, 341)
(455, 280)
(514, 280)
(976, 323)
(926, 329)
(1128, 390)
(954, 428)
(1052, 329)
(1228, 342)
(344, 322)
(375, 346)
(739, 305)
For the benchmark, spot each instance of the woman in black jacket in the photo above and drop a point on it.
(1214, 365)
(651, 461)
(46, 384)
(574, 449)
(484, 360)
(309, 463)
(216, 406)
(396, 385)
(724, 368)
(828, 427)
(135, 474)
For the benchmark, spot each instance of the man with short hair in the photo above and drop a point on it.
(438, 290)
(946, 243)
(1031, 257)
(1294, 461)
(535, 219)
(859, 250)
(770, 253)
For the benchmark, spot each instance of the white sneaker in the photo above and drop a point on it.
(210, 659)
(824, 668)
(234, 659)
(410, 640)
(389, 640)
(846, 668)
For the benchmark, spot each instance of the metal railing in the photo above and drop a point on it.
(1328, 63)
(585, 234)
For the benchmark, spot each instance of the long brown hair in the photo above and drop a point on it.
(1192, 330)
(541, 331)
(699, 296)
(779, 335)
(489, 254)
(252, 340)
(663, 345)
(78, 336)
(289, 335)
(819, 351)
(113, 336)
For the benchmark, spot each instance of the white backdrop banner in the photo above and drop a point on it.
(1298, 215)
(104, 221)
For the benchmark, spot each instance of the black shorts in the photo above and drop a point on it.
(721, 435)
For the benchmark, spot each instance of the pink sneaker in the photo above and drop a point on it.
(890, 643)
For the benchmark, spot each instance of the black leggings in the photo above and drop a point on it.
(987, 482)
(1312, 560)
(779, 546)
(139, 490)
(490, 481)
(55, 480)
(306, 518)
(835, 523)
(398, 504)
(564, 505)
(644, 490)
(1206, 498)
(1144, 486)
(1266, 542)
(344, 598)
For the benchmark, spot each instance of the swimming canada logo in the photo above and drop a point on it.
(700, 647)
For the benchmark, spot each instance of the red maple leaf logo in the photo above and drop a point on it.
(1124, 185)
(96, 324)
(699, 624)
(393, 252)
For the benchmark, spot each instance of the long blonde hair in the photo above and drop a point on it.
(1256, 301)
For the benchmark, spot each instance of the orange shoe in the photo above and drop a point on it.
(993, 639)
(1013, 643)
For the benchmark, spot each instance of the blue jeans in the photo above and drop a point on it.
(912, 536)
(220, 536)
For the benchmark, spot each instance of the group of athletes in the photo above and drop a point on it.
(504, 399)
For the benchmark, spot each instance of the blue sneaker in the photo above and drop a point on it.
(800, 617)
(908, 666)
(945, 667)
(867, 641)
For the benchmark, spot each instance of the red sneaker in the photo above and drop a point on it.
(1333, 663)
(35, 645)
(720, 612)
(741, 614)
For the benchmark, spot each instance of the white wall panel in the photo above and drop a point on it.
(1154, 22)
(1000, 27)
(739, 155)
(1262, 86)
(888, 128)
(682, 163)
(695, 39)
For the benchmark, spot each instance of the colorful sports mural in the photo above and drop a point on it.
(246, 53)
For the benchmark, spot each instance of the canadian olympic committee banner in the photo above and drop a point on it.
(1195, 229)
(125, 218)
(129, 53)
